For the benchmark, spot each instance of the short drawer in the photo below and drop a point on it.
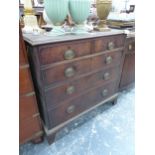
(77, 105)
(74, 69)
(109, 43)
(106, 60)
(29, 128)
(74, 88)
(63, 51)
(25, 81)
(27, 106)
(130, 45)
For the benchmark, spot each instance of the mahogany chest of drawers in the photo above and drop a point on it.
(29, 120)
(74, 74)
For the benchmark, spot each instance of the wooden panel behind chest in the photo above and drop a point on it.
(29, 119)
(28, 106)
(25, 82)
(29, 129)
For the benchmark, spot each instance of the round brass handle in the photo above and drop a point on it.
(104, 92)
(69, 72)
(70, 109)
(69, 54)
(108, 60)
(130, 47)
(111, 45)
(70, 90)
(106, 76)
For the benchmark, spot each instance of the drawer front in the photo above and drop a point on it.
(74, 88)
(29, 128)
(108, 59)
(25, 82)
(77, 105)
(74, 69)
(27, 107)
(67, 71)
(60, 52)
(109, 43)
(130, 45)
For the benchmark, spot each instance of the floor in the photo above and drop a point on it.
(107, 130)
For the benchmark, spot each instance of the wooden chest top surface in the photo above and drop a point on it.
(41, 39)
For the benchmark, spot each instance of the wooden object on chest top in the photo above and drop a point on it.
(29, 120)
(74, 74)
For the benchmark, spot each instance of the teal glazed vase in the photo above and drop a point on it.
(79, 10)
(56, 11)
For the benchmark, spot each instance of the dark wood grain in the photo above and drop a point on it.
(29, 129)
(93, 58)
(29, 119)
(22, 50)
(54, 53)
(102, 43)
(28, 106)
(80, 85)
(25, 82)
(81, 103)
(57, 74)
(129, 45)
(128, 71)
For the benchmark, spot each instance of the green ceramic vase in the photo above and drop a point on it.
(79, 10)
(56, 11)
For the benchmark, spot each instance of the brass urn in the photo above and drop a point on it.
(103, 8)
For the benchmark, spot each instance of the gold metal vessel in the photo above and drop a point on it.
(103, 8)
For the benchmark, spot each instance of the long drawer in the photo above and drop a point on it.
(77, 105)
(73, 69)
(73, 88)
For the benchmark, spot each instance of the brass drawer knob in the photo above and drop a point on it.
(108, 60)
(70, 109)
(69, 54)
(104, 92)
(106, 76)
(111, 45)
(70, 90)
(69, 72)
(130, 47)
